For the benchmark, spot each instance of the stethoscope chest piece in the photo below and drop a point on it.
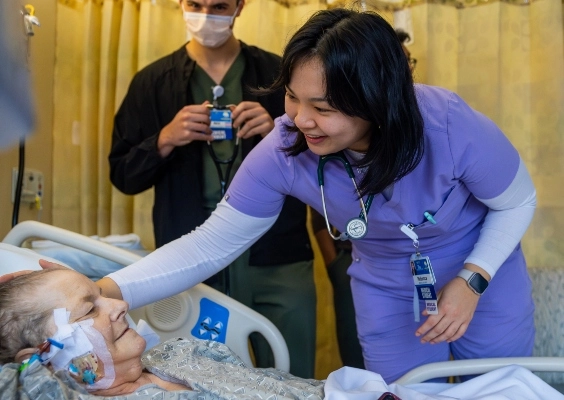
(356, 228)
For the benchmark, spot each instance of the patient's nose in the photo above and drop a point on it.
(118, 309)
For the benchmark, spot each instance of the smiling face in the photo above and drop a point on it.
(81, 297)
(326, 129)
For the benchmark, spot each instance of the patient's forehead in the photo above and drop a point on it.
(63, 287)
(63, 276)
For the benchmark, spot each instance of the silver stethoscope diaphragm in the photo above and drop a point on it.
(357, 227)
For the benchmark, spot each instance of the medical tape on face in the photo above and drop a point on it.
(101, 350)
(75, 342)
(78, 339)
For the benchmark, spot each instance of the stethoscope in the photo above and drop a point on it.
(357, 227)
(218, 162)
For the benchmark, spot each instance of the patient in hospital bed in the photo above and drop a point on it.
(101, 355)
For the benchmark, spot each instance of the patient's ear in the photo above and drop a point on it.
(25, 354)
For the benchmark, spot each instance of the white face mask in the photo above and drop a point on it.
(209, 30)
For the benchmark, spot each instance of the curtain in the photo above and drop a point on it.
(507, 61)
(100, 46)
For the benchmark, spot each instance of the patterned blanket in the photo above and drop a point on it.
(210, 368)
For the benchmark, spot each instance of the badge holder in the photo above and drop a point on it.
(423, 277)
(221, 122)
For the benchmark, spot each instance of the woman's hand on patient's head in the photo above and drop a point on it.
(10, 276)
(109, 288)
(43, 263)
(49, 264)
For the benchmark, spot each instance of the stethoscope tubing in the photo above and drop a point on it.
(339, 156)
(223, 180)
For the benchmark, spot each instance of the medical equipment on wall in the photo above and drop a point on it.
(28, 12)
(356, 227)
(29, 20)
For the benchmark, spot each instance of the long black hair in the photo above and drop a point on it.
(366, 76)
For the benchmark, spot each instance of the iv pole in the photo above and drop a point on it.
(29, 19)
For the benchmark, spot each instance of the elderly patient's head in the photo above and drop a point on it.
(97, 323)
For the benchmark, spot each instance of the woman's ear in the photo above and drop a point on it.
(25, 354)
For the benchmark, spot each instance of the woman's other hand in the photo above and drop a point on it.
(457, 304)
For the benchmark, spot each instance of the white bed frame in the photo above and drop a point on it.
(479, 366)
(176, 316)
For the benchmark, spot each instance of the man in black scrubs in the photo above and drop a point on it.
(160, 139)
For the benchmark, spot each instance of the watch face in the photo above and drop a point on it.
(478, 283)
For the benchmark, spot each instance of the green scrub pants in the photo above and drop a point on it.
(285, 294)
(349, 346)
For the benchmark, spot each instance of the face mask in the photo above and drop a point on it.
(209, 30)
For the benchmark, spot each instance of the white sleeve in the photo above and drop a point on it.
(506, 222)
(192, 258)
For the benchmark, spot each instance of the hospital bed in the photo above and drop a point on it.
(200, 312)
(457, 368)
(181, 316)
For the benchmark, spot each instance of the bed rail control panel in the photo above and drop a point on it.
(213, 321)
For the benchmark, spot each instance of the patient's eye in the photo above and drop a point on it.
(82, 313)
(85, 309)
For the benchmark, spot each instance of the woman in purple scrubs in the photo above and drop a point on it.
(434, 198)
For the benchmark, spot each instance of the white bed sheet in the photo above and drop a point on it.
(512, 382)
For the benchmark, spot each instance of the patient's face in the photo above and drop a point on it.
(81, 296)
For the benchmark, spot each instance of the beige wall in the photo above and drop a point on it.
(38, 147)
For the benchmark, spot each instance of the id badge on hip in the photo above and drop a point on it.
(424, 281)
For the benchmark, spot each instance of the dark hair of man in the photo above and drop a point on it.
(366, 76)
(23, 317)
(402, 35)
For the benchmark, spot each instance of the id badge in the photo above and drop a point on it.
(221, 124)
(424, 280)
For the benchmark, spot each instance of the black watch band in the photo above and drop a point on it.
(475, 281)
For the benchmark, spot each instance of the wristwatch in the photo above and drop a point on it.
(475, 281)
